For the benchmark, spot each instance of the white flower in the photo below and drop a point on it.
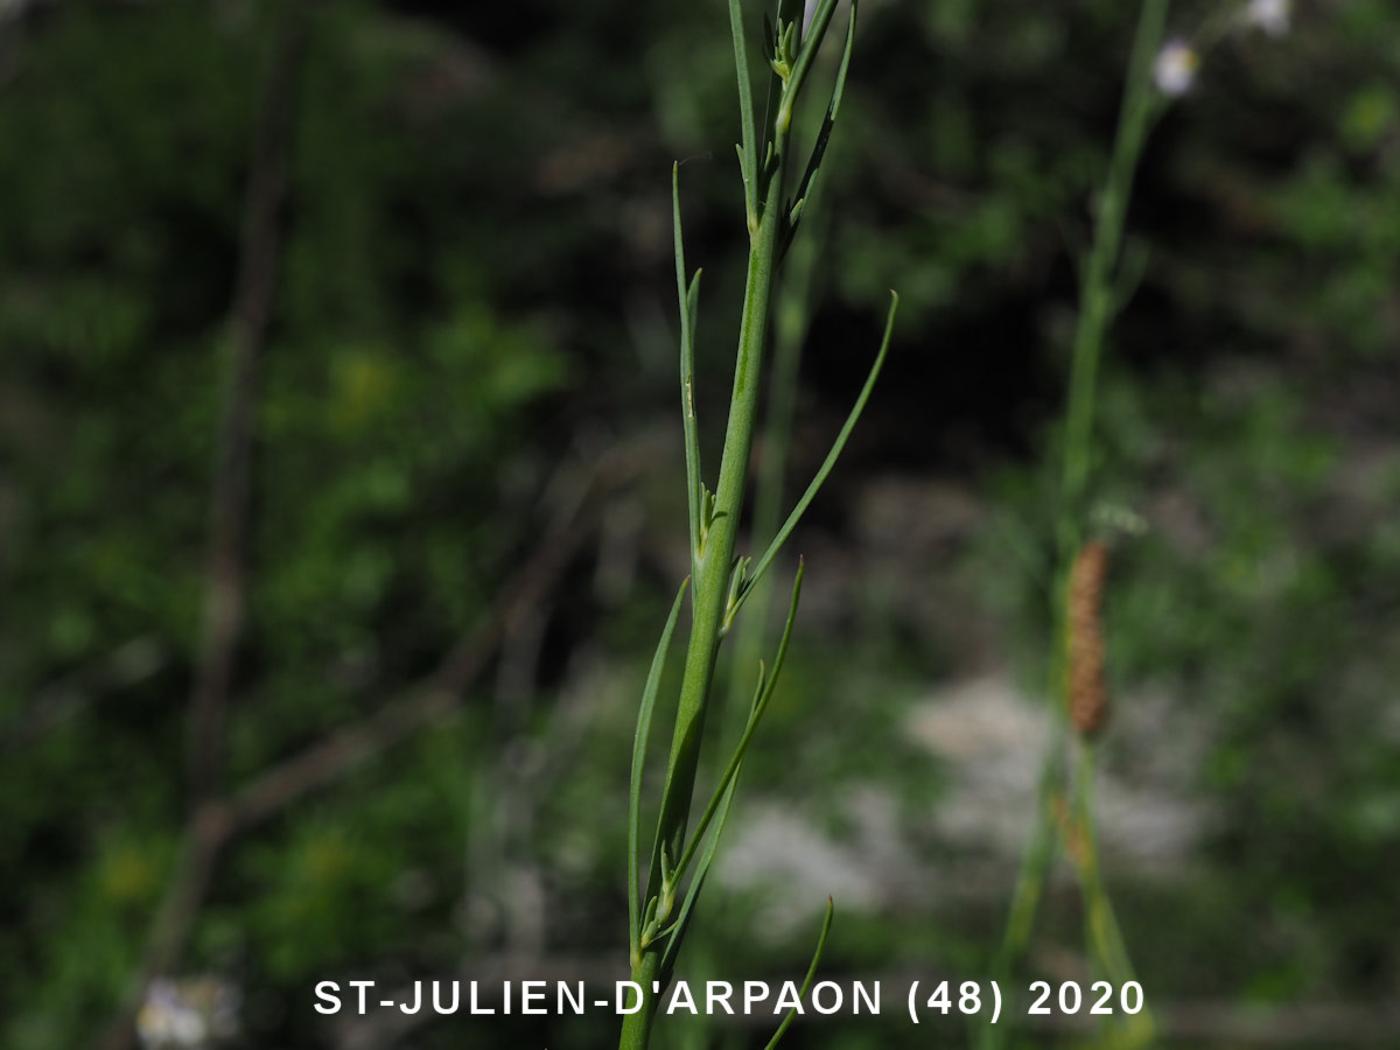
(190, 1014)
(1175, 69)
(1272, 16)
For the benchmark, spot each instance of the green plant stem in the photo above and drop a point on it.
(714, 563)
(1099, 299)
(720, 582)
(716, 558)
(790, 324)
(636, 1028)
(1101, 929)
(1101, 926)
(731, 704)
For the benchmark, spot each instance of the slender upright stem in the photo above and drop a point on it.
(790, 321)
(226, 588)
(261, 246)
(720, 583)
(1098, 294)
(714, 563)
(1098, 301)
(715, 560)
(730, 702)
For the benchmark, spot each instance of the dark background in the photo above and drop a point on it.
(440, 234)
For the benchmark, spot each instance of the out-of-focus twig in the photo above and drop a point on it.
(321, 763)
(260, 250)
(327, 760)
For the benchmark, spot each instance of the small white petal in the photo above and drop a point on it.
(1272, 16)
(1175, 69)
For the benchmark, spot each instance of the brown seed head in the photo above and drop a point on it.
(1088, 691)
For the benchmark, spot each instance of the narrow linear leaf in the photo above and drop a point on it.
(811, 974)
(814, 162)
(762, 694)
(811, 44)
(727, 779)
(682, 923)
(722, 801)
(689, 300)
(748, 152)
(796, 516)
(717, 812)
(787, 10)
(639, 753)
(786, 638)
(692, 298)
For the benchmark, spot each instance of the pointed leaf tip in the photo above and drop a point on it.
(763, 563)
(811, 974)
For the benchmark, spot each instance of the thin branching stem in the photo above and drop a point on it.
(660, 913)
(1101, 295)
(791, 320)
(713, 563)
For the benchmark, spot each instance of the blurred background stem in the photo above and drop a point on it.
(1100, 297)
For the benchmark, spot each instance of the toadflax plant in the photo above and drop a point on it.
(1078, 698)
(663, 889)
(1161, 70)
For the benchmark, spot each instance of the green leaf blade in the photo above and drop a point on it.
(762, 695)
(814, 162)
(748, 151)
(689, 299)
(811, 44)
(682, 923)
(811, 974)
(830, 462)
(639, 750)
